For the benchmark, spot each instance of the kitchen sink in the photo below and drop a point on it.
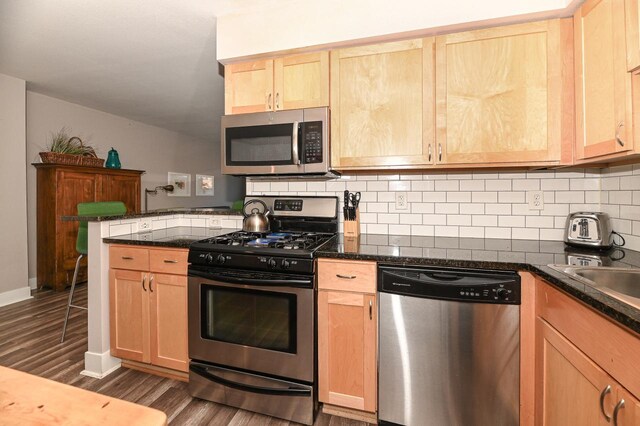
(620, 283)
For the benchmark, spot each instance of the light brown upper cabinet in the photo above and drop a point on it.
(604, 124)
(300, 81)
(632, 31)
(382, 110)
(504, 95)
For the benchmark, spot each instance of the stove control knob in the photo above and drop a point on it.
(285, 264)
(208, 258)
(220, 259)
(502, 293)
(272, 263)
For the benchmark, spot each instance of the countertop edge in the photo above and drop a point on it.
(195, 211)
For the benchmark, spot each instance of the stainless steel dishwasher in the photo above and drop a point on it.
(449, 346)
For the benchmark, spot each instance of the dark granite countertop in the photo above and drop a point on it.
(179, 236)
(516, 255)
(160, 212)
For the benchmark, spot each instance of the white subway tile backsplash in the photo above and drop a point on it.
(434, 219)
(448, 208)
(498, 185)
(511, 197)
(399, 185)
(377, 186)
(484, 220)
(526, 184)
(458, 197)
(459, 219)
(511, 221)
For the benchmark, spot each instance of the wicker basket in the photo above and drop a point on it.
(71, 160)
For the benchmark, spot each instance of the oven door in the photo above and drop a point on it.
(264, 325)
(262, 143)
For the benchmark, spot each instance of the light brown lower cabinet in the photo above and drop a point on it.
(586, 370)
(347, 335)
(148, 306)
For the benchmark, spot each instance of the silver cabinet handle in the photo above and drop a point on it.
(346, 277)
(294, 144)
(439, 152)
(127, 258)
(277, 100)
(429, 152)
(603, 394)
(170, 261)
(151, 283)
(370, 309)
(618, 139)
(269, 102)
(143, 278)
(619, 405)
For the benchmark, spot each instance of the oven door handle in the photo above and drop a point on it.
(254, 281)
(202, 371)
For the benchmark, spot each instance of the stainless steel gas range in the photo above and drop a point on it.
(252, 311)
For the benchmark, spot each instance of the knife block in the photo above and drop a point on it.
(352, 227)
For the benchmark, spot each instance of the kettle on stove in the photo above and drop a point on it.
(255, 221)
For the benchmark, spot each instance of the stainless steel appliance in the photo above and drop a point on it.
(254, 219)
(251, 311)
(449, 346)
(294, 142)
(589, 229)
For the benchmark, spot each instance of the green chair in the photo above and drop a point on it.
(104, 208)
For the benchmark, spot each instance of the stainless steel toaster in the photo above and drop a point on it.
(589, 229)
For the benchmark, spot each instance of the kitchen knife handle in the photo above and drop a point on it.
(294, 144)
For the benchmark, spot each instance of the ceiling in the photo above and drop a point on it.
(152, 61)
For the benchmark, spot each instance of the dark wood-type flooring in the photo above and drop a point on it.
(30, 342)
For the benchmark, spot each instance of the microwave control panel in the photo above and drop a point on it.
(312, 134)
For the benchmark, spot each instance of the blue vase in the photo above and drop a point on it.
(113, 160)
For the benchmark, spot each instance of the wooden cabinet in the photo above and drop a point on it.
(585, 364)
(148, 305)
(382, 105)
(604, 123)
(347, 335)
(502, 95)
(59, 190)
(632, 31)
(300, 81)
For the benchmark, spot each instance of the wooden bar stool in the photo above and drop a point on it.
(103, 208)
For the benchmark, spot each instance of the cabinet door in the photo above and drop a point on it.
(347, 349)
(603, 86)
(122, 188)
(168, 299)
(499, 95)
(629, 411)
(301, 81)
(382, 106)
(248, 87)
(632, 31)
(72, 188)
(129, 314)
(570, 384)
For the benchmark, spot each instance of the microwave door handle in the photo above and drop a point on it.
(294, 144)
(249, 388)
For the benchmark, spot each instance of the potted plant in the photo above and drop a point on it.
(65, 149)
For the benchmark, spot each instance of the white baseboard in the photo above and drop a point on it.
(13, 296)
(99, 365)
(33, 283)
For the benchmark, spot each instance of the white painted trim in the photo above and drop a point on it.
(99, 365)
(33, 283)
(14, 296)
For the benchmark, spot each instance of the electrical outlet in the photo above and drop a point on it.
(401, 201)
(214, 222)
(535, 200)
(144, 225)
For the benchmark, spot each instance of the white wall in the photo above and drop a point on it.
(264, 27)
(621, 199)
(140, 146)
(14, 284)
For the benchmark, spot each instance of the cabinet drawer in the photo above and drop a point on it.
(127, 257)
(168, 261)
(345, 275)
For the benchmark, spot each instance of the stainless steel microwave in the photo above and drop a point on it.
(294, 142)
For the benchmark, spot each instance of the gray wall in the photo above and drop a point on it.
(13, 186)
(140, 146)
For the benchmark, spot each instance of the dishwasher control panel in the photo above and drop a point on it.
(463, 285)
